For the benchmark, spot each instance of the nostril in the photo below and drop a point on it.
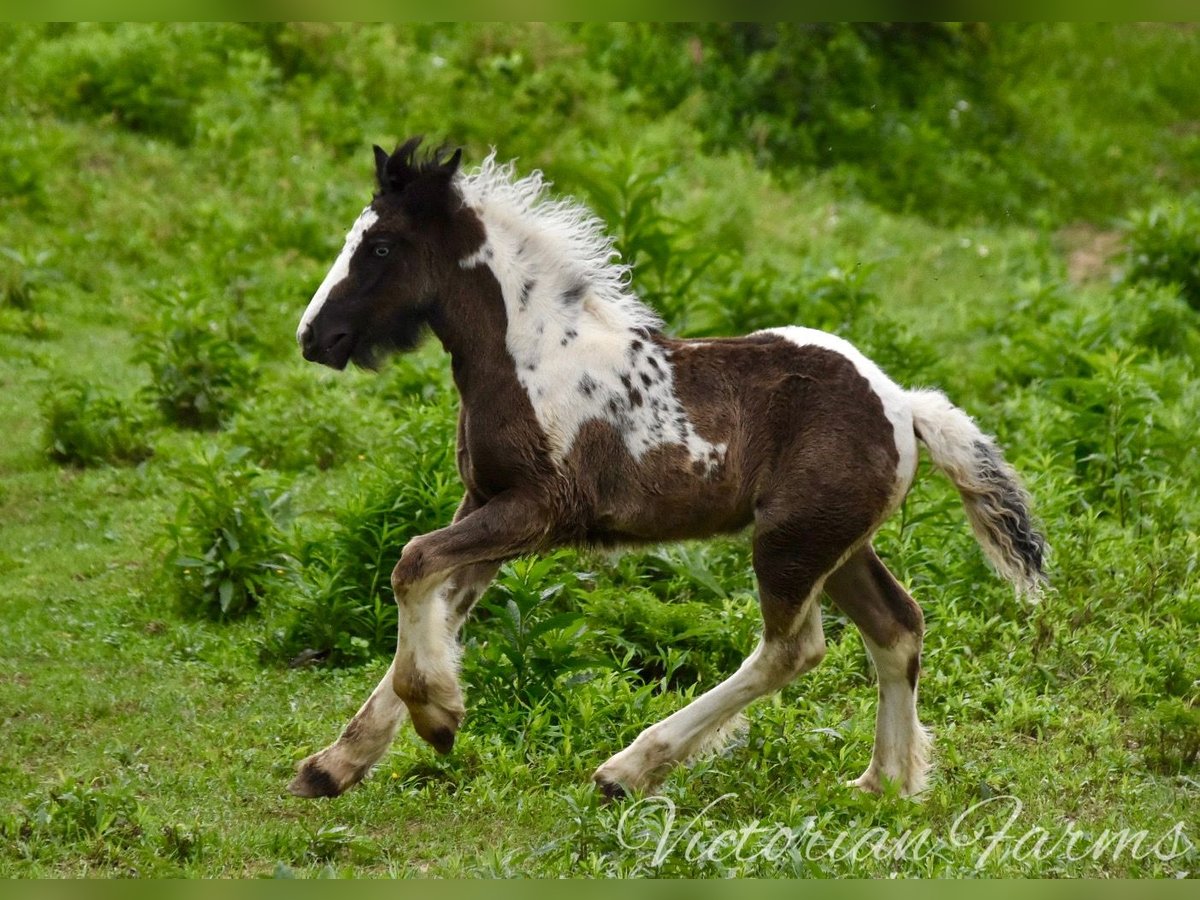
(306, 337)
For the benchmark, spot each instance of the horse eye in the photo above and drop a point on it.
(382, 250)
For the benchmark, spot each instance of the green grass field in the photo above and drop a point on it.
(196, 527)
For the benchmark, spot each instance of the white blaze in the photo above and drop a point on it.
(341, 268)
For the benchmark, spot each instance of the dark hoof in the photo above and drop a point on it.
(611, 790)
(442, 740)
(313, 781)
(436, 726)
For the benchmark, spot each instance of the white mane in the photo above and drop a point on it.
(562, 234)
(578, 336)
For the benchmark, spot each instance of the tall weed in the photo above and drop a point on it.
(87, 425)
(200, 362)
(225, 549)
(1164, 246)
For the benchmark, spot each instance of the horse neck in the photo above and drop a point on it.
(469, 322)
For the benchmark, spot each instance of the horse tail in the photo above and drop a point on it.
(997, 504)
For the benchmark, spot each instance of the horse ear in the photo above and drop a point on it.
(406, 151)
(451, 165)
(381, 161)
(396, 172)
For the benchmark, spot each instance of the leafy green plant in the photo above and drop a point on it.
(147, 78)
(225, 549)
(1170, 735)
(334, 620)
(1122, 447)
(526, 637)
(328, 842)
(1164, 246)
(24, 274)
(672, 642)
(345, 609)
(88, 426)
(301, 426)
(84, 811)
(199, 361)
(183, 843)
(22, 166)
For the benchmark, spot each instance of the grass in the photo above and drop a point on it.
(145, 735)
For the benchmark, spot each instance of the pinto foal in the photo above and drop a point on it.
(582, 423)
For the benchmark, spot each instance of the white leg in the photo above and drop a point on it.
(660, 747)
(363, 741)
(425, 675)
(901, 752)
(431, 641)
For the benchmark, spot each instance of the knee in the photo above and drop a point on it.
(899, 662)
(913, 620)
(412, 566)
(789, 662)
(410, 686)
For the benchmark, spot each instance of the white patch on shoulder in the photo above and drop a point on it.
(894, 398)
(341, 268)
(577, 336)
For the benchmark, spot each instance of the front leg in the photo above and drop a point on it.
(425, 670)
(368, 735)
(445, 577)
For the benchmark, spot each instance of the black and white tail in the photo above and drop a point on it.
(998, 506)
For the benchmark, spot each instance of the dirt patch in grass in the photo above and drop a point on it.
(1091, 251)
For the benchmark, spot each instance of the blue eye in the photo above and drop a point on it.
(382, 250)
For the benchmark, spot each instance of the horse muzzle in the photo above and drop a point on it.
(333, 350)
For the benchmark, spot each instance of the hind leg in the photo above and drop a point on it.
(700, 724)
(892, 628)
(790, 566)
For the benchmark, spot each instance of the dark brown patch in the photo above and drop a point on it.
(411, 687)
(441, 739)
(313, 781)
(914, 670)
(875, 601)
(902, 606)
(610, 790)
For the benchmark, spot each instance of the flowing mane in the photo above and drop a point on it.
(560, 238)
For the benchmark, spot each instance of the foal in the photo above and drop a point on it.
(582, 423)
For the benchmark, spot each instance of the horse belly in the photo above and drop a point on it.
(657, 504)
